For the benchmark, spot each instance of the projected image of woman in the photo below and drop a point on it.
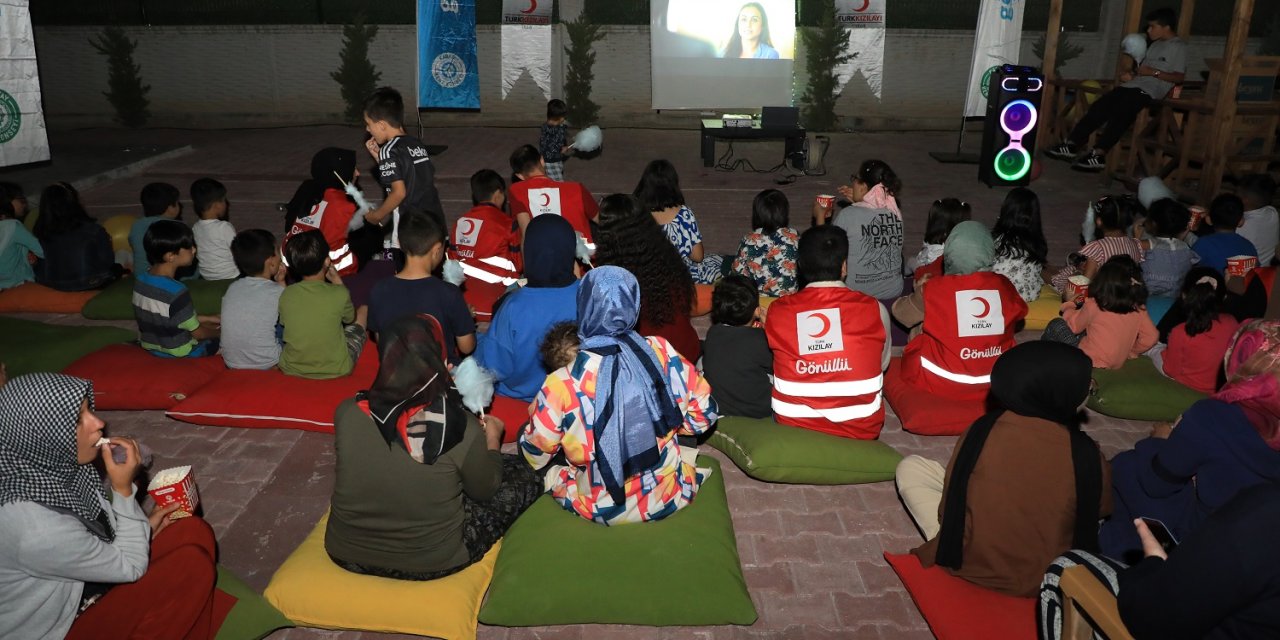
(751, 37)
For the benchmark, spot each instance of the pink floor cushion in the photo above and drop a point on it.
(127, 378)
(924, 413)
(272, 400)
(960, 610)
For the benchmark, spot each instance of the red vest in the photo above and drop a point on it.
(969, 321)
(331, 216)
(486, 241)
(828, 344)
(542, 195)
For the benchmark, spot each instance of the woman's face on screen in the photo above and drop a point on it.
(750, 23)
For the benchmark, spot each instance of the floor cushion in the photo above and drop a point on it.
(27, 346)
(960, 610)
(925, 414)
(250, 615)
(312, 591)
(1137, 391)
(701, 300)
(128, 378)
(1043, 309)
(30, 297)
(270, 399)
(766, 450)
(116, 301)
(681, 570)
(1157, 307)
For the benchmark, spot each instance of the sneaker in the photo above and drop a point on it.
(1064, 151)
(1093, 162)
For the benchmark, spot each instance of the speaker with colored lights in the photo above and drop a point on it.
(1009, 134)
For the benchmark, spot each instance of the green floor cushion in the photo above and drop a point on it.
(1137, 391)
(766, 450)
(1043, 309)
(557, 568)
(27, 346)
(251, 617)
(116, 301)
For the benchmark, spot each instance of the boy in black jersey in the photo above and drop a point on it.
(404, 170)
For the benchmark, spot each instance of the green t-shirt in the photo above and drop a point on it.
(314, 344)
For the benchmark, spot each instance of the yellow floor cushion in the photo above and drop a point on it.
(314, 592)
(1044, 309)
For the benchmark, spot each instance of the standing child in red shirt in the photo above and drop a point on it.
(486, 241)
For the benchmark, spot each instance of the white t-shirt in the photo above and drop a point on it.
(213, 249)
(1262, 228)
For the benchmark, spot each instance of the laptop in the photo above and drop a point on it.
(779, 117)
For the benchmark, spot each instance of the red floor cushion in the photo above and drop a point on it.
(30, 297)
(960, 610)
(926, 414)
(127, 378)
(513, 413)
(270, 399)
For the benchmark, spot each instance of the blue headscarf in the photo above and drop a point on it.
(633, 401)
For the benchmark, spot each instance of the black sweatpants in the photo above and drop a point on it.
(1116, 110)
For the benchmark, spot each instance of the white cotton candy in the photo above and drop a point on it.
(453, 273)
(588, 139)
(1151, 189)
(362, 205)
(474, 384)
(357, 222)
(584, 251)
(1135, 45)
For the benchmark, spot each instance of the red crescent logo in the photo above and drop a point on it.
(826, 325)
(533, 6)
(546, 199)
(470, 226)
(865, 4)
(986, 307)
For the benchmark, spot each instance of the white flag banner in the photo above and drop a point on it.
(526, 50)
(865, 20)
(997, 43)
(23, 137)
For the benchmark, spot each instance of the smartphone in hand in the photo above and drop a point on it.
(1161, 533)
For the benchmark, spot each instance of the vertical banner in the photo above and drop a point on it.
(447, 64)
(865, 21)
(997, 43)
(526, 43)
(22, 132)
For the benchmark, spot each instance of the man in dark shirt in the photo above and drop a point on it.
(404, 169)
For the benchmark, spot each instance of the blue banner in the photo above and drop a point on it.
(447, 67)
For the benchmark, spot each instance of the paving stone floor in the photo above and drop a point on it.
(811, 555)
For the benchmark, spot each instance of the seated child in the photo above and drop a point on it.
(1021, 250)
(414, 290)
(1112, 325)
(1166, 258)
(16, 196)
(160, 201)
(1226, 213)
(1196, 347)
(944, 215)
(486, 241)
(1261, 224)
(77, 251)
(251, 306)
(18, 248)
(767, 255)
(322, 203)
(830, 345)
(167, 322)
(212, 231)
(1112, 217)
(560, 346)
(736, 359)
(323, 331)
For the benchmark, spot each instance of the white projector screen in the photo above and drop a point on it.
(722, 54)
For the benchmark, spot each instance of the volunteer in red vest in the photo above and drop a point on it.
(536, 194)
(486, 241)
(830, 345)
(966, 319)
(327, 206)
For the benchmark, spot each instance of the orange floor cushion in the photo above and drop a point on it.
(957, 609)
(128, 378)
(30, 297)
(924, 413)
(701, 300)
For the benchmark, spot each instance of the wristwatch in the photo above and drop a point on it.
(1156, 74)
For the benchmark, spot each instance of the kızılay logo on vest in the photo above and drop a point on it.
(10, 117)
(819, 331)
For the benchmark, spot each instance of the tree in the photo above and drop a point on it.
(577, 85)
(126, 93)
(1067, 51)
(826, 49)
(356, 75)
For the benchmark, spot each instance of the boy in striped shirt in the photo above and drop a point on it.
(168, 326)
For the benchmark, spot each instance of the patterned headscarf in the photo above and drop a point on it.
(634, 406)
(1252, 364)
(969, 248)
(38, 416)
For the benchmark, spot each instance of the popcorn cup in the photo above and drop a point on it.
(1077, 288)
(1197, 214)
(1239, 266)
(176, 485)
(826, 201)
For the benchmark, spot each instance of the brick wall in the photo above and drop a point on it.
(251, 75)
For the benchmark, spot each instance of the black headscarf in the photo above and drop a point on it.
(327, 165)
(1047, 380)
(414, 387)
(549, 252)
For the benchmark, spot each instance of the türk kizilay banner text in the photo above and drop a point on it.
(22, 132)
(865, 21)
(447, 67)
(997, 43)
